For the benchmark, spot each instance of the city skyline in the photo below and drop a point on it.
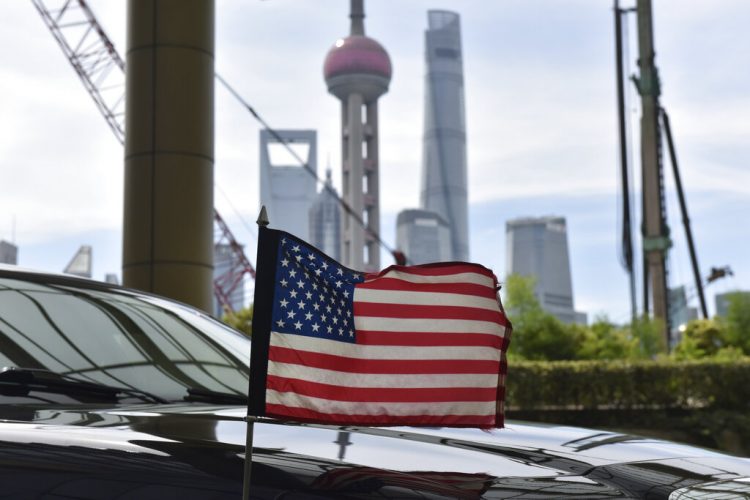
(540, 122)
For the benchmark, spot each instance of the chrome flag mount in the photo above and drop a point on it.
(411, 345)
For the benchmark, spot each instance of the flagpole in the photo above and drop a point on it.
(247, 476)
(250, 419)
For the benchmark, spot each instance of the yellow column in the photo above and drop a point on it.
(169, 150)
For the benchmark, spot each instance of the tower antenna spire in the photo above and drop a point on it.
(357, 16)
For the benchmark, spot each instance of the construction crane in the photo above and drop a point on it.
(102, 71)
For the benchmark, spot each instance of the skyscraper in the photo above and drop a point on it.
(325, 221)
(423, 236)
(8, 253)
(286, 188)
(538, 247)
(225, 260)
(81, 263)
(444, 143)
(357, 70)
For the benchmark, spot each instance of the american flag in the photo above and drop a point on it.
(419, 345)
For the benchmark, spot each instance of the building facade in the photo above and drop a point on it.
(423, 236)
(225, 264)
(8, 253)
(357, 71)
(444, 175)
(287, 189)
(325, 221)
(81, 263)
(538, 247)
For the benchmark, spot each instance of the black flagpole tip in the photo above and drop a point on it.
(262, 217)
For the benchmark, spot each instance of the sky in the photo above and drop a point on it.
(540, 114)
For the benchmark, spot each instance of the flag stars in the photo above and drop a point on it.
(340, 271)
(335, 320)
(308, 316)
(298, 326)
(316, 306)
(338, 283)
(293, 294)
(324, 318)
(341, 332)
(324, 265)
(351, 333)
(329, 329)
(290, 314)
(284, 303)
(301, 304)
(328, 309)
(295, 248)
(280, 323)
(301, 284)
(318, 271)
(284, 282)
(292, 273)
(315, 327)
(308, 295)
(285, 262)
(298, 258)
(346, 293)
(311, 257)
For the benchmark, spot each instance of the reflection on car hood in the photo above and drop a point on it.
(521, 460)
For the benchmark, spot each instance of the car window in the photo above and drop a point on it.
(119, 338)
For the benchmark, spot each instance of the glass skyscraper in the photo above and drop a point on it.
(538, 247)
(444, 156)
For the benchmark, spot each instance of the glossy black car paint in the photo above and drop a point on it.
(58, 447)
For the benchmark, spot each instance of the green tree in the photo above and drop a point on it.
(701, 338)
(737, 322)
(605, 340)
(537, 335)
(649, 336)
(241, 320)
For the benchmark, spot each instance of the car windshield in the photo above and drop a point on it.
(118, 338)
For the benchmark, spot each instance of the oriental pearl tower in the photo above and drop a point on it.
(357, 70)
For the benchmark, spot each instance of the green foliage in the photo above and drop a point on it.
(737, 322)
(538, 335)
(241, 320)
(604, 385)
(700, 339)
(649, 336)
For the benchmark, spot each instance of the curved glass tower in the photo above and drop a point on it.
(444, 155)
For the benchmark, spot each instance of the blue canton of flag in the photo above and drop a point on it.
(313, 295)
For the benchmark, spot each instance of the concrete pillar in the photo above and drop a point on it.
(169, 149)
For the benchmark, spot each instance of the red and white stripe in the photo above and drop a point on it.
(429, 351)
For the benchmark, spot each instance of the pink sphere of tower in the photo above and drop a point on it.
(360, 64)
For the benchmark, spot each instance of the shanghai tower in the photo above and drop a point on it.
(357, 70)
(444, 141)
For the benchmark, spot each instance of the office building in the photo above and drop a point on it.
(444, 173)
(325, 221)
(227, 273)
(357, 71)
(80, 264)
(8, 253)
(287, 189)
(423, 236)
(538, 247)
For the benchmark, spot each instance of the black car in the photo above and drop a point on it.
(111, 393)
